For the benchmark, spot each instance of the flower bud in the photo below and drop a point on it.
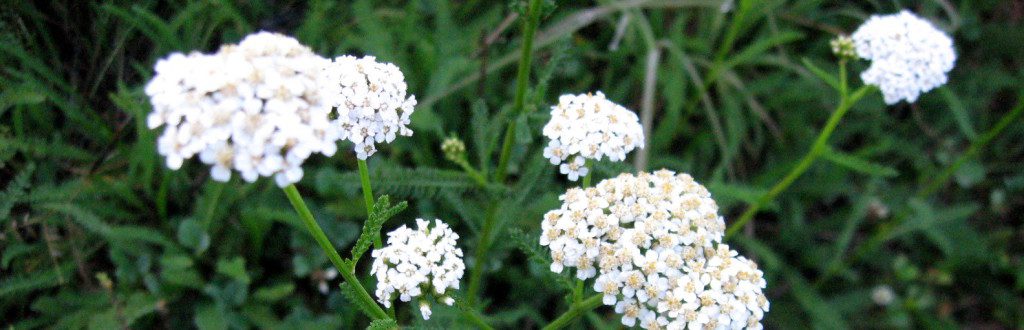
(453, 148)
(842, 47)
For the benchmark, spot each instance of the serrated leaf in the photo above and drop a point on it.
(382, 211)
(529, 245)
(393, 180)
(353, 298)
(383, 324)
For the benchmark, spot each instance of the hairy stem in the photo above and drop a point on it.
(522, 79)
(318, 234)
(575, 311)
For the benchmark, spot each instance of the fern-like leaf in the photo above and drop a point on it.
(353, 298)
(393, 180)
(382, 211)
(383, 324)
(528, 244)
(14, 192)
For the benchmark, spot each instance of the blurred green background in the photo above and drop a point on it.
(96, 232)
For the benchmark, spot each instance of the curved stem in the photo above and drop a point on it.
(477, 320)
(364, 179)
(522, 79)
(819, 146)
(318, 234)
(575, 311)
(973, 150)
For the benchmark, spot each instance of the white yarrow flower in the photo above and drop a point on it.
(418, 263)
(253, 107)
(909, 56)
(370, 100)
(589, 126)
(654, 243)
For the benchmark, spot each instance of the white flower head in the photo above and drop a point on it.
(909, 56)
(370, 100)
(418, 263)
(252, 107)
(654, 243)
(589, 126)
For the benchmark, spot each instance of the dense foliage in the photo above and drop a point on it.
(910, 217)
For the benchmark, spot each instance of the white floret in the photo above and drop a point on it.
(654, 243)
(370, 99)
(425, 259)
(252, 108)
(589, 126)
(909, 56)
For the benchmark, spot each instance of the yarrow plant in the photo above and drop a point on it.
(908, 55)
(654, 243)
(417, 264)
(370, 100)
(589, 126)
(254, 107)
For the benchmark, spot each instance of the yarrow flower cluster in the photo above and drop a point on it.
(417, 263)
(589, 126)
(909, 56)
(370, 100)
(254, 107)
(654, 243)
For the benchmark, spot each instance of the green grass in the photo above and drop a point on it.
(924, 198)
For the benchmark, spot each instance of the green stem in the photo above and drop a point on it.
(723, 51)
(318, 234)
(522, 79)
(364, 179)
(574, 311)
(974, 149)
(590, 173)
(211, 209)
(577, 294)
(819, 146)
(477, 320)
(885, 230)
(472, 172)
(476, 274)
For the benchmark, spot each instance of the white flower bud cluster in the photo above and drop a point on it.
(654, 243)
(414, 262)
(370, 99)
(909, 56)
(589, 126)
(253, 107)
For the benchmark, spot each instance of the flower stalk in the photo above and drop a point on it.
(522, 80)
(364, 179)
(318, 234)
(846, 101)
(575, 311)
